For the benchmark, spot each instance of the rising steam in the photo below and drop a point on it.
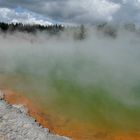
(101, 71)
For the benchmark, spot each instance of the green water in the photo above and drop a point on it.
(99, 102)
(87, 82)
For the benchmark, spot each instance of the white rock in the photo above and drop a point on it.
(22, 108)
(1, 95)
(24, 128)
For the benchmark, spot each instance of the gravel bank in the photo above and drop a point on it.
(15, 124)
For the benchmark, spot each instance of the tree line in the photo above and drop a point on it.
(11, 27)
(79, 32)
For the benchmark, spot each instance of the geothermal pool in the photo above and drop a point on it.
(82, 87)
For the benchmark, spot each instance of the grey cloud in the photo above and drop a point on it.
(81, 11)
(129, 12)
(10, 15)
(67, 10)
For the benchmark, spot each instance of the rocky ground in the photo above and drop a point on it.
(15, 124)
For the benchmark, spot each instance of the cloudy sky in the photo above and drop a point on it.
(70, 11)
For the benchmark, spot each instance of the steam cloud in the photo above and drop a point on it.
(113, 64)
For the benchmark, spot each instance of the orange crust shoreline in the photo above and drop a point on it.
(34, 111)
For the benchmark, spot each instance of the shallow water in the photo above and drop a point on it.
(93, 83)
